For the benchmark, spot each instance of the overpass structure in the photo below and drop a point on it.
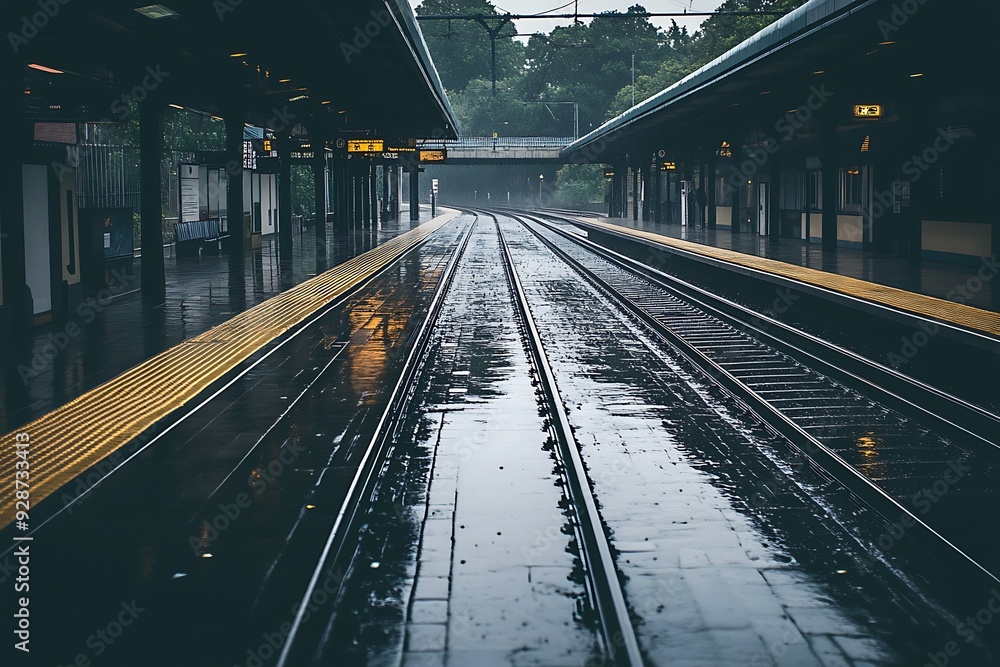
(494, 150)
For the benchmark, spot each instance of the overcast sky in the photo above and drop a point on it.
(597, 6)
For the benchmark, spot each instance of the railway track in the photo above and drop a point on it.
(855, 428)
(602, 579)
(923, 460)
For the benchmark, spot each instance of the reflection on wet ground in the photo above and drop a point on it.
(113, 331)
(468, 555)
(727, 563)
(934, 278)
(471, 510)
(214, 531)
(947, 483)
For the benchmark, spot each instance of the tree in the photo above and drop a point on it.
(580, 185)
(685, 53)
(509, 113)
(461, 48)
(590, 63)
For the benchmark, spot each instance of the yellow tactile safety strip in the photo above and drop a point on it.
(67, 441)
(960, 315)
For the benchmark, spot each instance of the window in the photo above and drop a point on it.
(850, 189)
(814, 195)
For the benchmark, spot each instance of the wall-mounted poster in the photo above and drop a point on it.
(111, 228)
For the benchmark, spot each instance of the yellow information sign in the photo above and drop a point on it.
(433, 155)
(868, 111)
(366, 146)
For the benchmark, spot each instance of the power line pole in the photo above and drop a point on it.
(494, 33)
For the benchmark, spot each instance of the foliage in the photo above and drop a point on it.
(580, 184)
(462, 48)
(303, 192)
(508, 114)
(589, 63)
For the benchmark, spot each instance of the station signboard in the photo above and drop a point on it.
(365, 146)
(869, 111)
(438, 155)
(668, 166)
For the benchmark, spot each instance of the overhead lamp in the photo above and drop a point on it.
(325, 102)
(297, 98)
(888, 43)
(176, 106)
(284, 80)
(819, 71)
(238, 55)
(156, 12)
(43, 68)
(218, 119)
(766, 92)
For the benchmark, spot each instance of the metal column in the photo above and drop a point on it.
(239, 233)
(373, 194)
(319, 185)
(713, 213)
(414, 194)
(831, 190)
(15, 298)
(284, 198)
(154, 283)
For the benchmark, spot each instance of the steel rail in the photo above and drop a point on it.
(364, 480)
(822, 457)
(619, 634)
(960, 418)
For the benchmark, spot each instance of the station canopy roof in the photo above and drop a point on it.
(884, 48)
(350, 67)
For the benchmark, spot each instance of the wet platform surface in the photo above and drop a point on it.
(213, 532)
(114, 332)
(732, 551)
(929, 277)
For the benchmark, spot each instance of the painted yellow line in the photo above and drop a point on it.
(958, 314)
(69, 440)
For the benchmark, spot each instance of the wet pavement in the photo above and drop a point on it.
(731, 550)
(933, 278)
(712, 580)
(116, 330)
(211, 532)
(473, 489)
(726, 559)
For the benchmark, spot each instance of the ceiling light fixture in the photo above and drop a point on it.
(156, 12)
(43, 68)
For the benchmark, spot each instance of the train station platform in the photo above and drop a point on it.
(964, 296)
(115, 330)
(94, 417)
